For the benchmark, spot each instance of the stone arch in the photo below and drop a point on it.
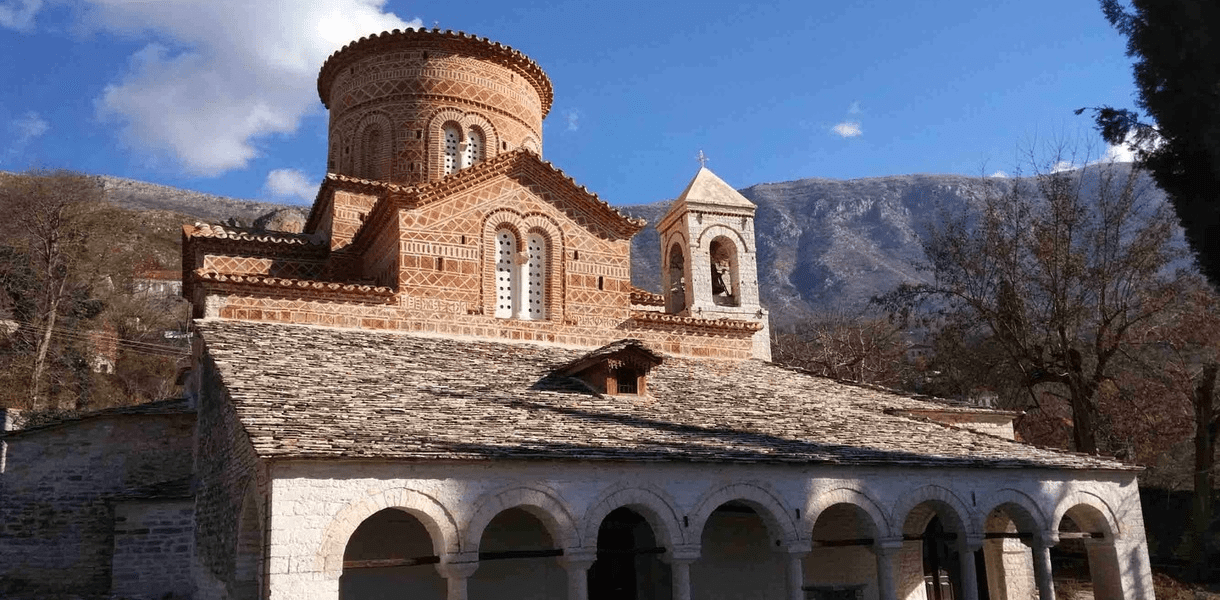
(1022, 509)
(545, 504)
(707, 235)
(675, 255)
(846, 495)
(770, 507)
(964, 518)
(1097, 514)
(374, 142)
(649, 503)
(435, 517)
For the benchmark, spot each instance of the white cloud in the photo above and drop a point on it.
(1120, 153)
(1063, 165)
(25, 129)
(290, 183)
(999, 175)
(847, 129)
(19, 14)
(572, 118)
(218, 75)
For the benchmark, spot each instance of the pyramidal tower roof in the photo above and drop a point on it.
(708, 189)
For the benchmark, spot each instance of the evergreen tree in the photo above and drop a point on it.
(1176, 47)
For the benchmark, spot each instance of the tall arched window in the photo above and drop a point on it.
(453, 136)
(506, 250)
(535, 277)
(474, 148)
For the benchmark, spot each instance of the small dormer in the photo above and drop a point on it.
(617, 369)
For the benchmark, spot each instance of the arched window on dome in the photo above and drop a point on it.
(506, 274)
(474, 148)
(534, 307)
(453, 138)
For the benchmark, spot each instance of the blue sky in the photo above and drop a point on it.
(219, 95)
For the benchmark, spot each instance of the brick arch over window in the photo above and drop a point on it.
(656, 508)
(522, 226)
(844, 495)
(463, 122)
(439, 522)
(532, 144)
(540, 502)
(372, 147)
(770, 506)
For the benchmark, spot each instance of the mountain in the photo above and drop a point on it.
(821, 242)
(824, 242)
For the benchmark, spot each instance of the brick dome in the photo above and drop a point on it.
(412, 106)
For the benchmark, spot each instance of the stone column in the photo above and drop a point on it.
(967, 568)
(577, 562)
(796, 554)
(1041, 545)
(456, 574)
(680, 559)
(886, 549)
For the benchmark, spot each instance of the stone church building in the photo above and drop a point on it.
(446, 387)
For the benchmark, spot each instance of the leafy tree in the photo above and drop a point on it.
(1177, 72)
(1053, 271)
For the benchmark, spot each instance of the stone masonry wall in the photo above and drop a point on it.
(226, 468)
(57, 513)
(152, 549)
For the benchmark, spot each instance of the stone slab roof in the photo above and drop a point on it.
(312, 392)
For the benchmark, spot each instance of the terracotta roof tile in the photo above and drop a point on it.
(318, 392)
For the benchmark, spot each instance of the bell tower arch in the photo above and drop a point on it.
(709, 256)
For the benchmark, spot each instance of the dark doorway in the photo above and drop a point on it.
(628, 565)
(940, 563)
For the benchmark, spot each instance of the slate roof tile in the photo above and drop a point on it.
(313, 392)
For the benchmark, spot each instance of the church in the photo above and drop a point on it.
(446, 387)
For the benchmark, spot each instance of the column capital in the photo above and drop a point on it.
(974, 541)
(887, 546)
(795, 547)
(577, 558)
(1044, 539)
(683, 554)
(456, 570)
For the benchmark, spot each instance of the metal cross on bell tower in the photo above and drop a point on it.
(702, 158)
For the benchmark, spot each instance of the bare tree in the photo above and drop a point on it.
(1054, 269)
(53, 217)
(845, 344)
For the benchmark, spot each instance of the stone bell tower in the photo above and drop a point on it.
(709, 258)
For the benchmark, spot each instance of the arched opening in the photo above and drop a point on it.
(1005, 563)
(372, 164)
(930, 562)
(1085, 559)
(248, 558)
(841, 563)
(628, 565)
(517, 560)
(738, 558)
(506, 274)
(675, 282)
(725, 282)
(452, 139)
(534, 306)
(390, 554)
(474, 151)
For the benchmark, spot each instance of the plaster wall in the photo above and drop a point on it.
(316, 506)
